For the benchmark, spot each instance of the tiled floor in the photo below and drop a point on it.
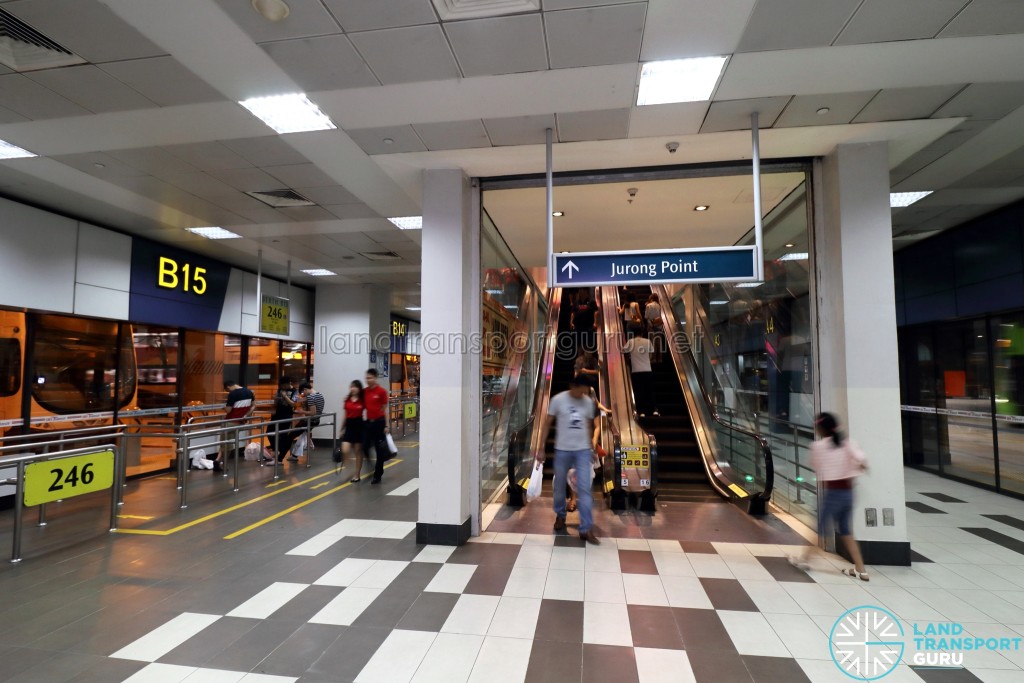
(338, 591)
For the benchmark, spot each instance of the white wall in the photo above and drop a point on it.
(104, 273)
(37, 258)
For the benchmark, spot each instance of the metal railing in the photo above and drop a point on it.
(397, 413)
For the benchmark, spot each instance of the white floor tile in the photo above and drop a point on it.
(314, 546)
(943, 577)
(604, 587)
(981, 577)
(472, 614)
(991, 604)
(632, 544)
(606, 624)
(673, 564)
(345, 572)
(849, 594)
(451, 578)
(903, 603)
(258, 678)
(537, 539)
(161, 673)
(726, 549)
(996, 675)
(222, 676)
(406, 488)
(535, 556)
(764, 550)
(450, 659)
(747, 567)
(346, 607)
(663, 666)
(435, 553)
(397, 530)
(515, 618)
(709, 566)
(644, 589)
(904, 576)
(381, 574)
(484, 537)
(568, 558)
(800, 635)
(1009, 572)
(602, 559)
(563, 584)
(502, 660)
(664, 546)
(948, 605)
(268, 600)
(685, 591)
(163, 639)
(369, 528)
(770, 597)
(398, 657)
(526, 582)
(509, 539)
(813, 599)
(751, 633)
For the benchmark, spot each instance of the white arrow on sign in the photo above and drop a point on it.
(570, 266)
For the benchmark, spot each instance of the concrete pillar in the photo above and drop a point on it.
(450, 389)
(858, 376)
(350, 321)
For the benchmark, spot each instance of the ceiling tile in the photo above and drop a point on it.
(355, 241)
(98, 164)
(986, 101)
(89, 87)
(519, 130)
(163, 80)
(307, 213)
(987, 17)
(502, 45)
(199, 184)
(8, 116)
(323, 245)
(324, 63)
(154, 161)
(324, 196)
(575, 4)
(842, 107)
(86, 27)
(788, 24)
(372, 140)
(29, 99)
(367, 15)
(735, 114)
(300, 175)
(676, 29)
(609, 124)
(880, 21)
(347, 211)
(899, 104)
(684, 118)
(247, 179)
(597, 36)
(267, 150)
(305, 18)
(208, 156)
(404, 55)
(453, 135)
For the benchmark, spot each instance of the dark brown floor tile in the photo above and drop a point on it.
(346, 657)
(712, 667)
(637, 562)
(109, 670)
(429, 612)
(943, 497)
(1015, 522)
(609, 663)
(569, 541)
(306, 604)
(917, 557)
(392, 605)
(298, 652)
(388, 549)
(654, 627)
(254, 646)
(702, 630)
(774, 669)
(925, 509)
(945, 675)
(485, 554)
(782, 570)
(728, 594)
(555, 662)
(489, 579)
(560, 620)
(994, 536)
(698, 547)
(211, 641)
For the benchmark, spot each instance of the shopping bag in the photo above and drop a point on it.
(299, 446)
(536, 481)
(253, 452)
(392, 449)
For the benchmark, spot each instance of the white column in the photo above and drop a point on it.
(858, 377)
(450, 374)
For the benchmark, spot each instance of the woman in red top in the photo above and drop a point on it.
(352, 430)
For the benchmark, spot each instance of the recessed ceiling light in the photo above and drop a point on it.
(408, 222)
(901, 199)
(271, 10)
(412, 308)
(9, 151)
(558, 214)
(291, 113)
(214, 233)
(701, 207)
(679, 80)
(789, 245)
(794, 256)
(319, 272)
(388, 141)
(823, 111)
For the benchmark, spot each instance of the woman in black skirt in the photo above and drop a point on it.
(352, 434)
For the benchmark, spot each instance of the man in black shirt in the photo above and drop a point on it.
(240, 403)
(583, 322)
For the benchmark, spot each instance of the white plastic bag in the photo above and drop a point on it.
(536, 481)
(392, 449)
(299, 446)
(253, 452)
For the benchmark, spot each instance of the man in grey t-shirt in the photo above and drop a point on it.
(572, 413)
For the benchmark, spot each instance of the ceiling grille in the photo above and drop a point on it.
(381, 255)
(451, 10)
(281, 199)
(23, 48)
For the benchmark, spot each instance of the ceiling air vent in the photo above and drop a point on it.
(381, 255)
(23, 48)
(281, 199)
(451, 10)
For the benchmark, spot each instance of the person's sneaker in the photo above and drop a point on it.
(292, 458)
(656, 414)
(559, 523)
(590, 537)
(375, 481)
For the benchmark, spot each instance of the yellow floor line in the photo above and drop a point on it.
(293, 508)
(134, 517)
(320, 485)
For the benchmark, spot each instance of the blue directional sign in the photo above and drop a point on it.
(721, 264)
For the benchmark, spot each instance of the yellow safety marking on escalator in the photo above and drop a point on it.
(525, 482)
(275, 483)
(321, 485)
(214, 515)
(134, 517)
(407, 444)
(738, 491)
(609, 485)
(299, 506)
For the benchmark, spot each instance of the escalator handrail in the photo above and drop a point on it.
(669, 323)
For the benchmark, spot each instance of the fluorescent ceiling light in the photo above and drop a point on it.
(412, 308)
(719, 302)
(292, 113)
(900, 199)
(408, 222)
(9, 151)
(794, 256)
(701, 207)
(214, 233)
(749, 284)
(319, 272)
(558, 214)
(679, 80)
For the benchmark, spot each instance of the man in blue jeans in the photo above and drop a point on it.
(572, 413)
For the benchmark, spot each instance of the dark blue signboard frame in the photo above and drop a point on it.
(657, 266)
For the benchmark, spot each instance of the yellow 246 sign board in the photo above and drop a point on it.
(51, 480)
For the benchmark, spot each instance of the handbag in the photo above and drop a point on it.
(536, 481)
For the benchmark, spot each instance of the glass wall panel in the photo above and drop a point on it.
(294, 358)
(1008, 361)
(205, 367)
(12, 339)
(261, 370)
(922, 438)
(156, 352)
